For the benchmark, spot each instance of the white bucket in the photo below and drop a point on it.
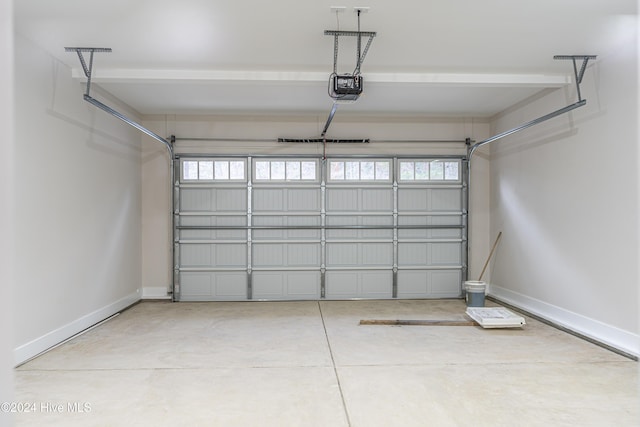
(475, 293)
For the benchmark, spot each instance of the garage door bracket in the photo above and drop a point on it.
(581, 102)
(88, 72)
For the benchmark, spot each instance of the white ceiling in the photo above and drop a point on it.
(439, 57)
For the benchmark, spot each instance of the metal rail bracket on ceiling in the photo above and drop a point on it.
(359, 55)
(578, 75)
(88, 72)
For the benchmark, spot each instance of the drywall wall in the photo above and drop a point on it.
(6, 214)
(77, 204)
(565, 195)
(254, 135)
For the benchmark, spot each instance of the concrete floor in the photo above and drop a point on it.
(311, 364)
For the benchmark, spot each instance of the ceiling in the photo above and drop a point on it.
(441, 57)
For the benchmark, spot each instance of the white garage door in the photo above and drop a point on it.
(304, 228)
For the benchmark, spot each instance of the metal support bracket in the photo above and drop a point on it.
(578, 74)
(87, 69)
(359, 35)
(581, 102)
(88, 72)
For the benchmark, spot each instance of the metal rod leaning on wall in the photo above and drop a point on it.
(88, 71)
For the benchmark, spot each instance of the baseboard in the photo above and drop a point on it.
(608, 335)
(33, 348)
(155, 292)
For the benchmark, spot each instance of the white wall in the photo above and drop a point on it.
(565, 195)
(6, 214)
(78, 206)
(240, 131)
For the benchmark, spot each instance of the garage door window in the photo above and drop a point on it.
(285, 170)
(429, 170)
(213, 170)
(360, 170)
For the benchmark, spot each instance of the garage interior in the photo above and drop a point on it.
(244, 186)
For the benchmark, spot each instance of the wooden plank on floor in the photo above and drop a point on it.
(419, 322)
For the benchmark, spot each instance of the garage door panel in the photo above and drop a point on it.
(199, 221)
(445, 199)
(268, 285)
(342, 254)
(211, 234)
(429, 284)
(341, 284)
(267, 255)
(376, 284)
(413, 284)
(286, 199)
(359, 254)
(341, 221)
(375, 221)
(197, 200)
(196, 255)
(412, 254)
(446, 283)
(359, 284)
(303, 199)
(361, 232)
(213, 200)
(205, 286)
(429, 254)
(376, 254)
(268, 221)
(342, 200)
(450, 233)
(412, 200)
(231, 200)
(303, 285)
(429, 200)
(303, 255)
(377, 200)
(286, 285)
(425, 233)
(212, 254)
(286, 255)
(230, 221)
(268, 200)
(303, 221)
(285, 233)
(197, 285)
(230, 255)
(444, 254)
